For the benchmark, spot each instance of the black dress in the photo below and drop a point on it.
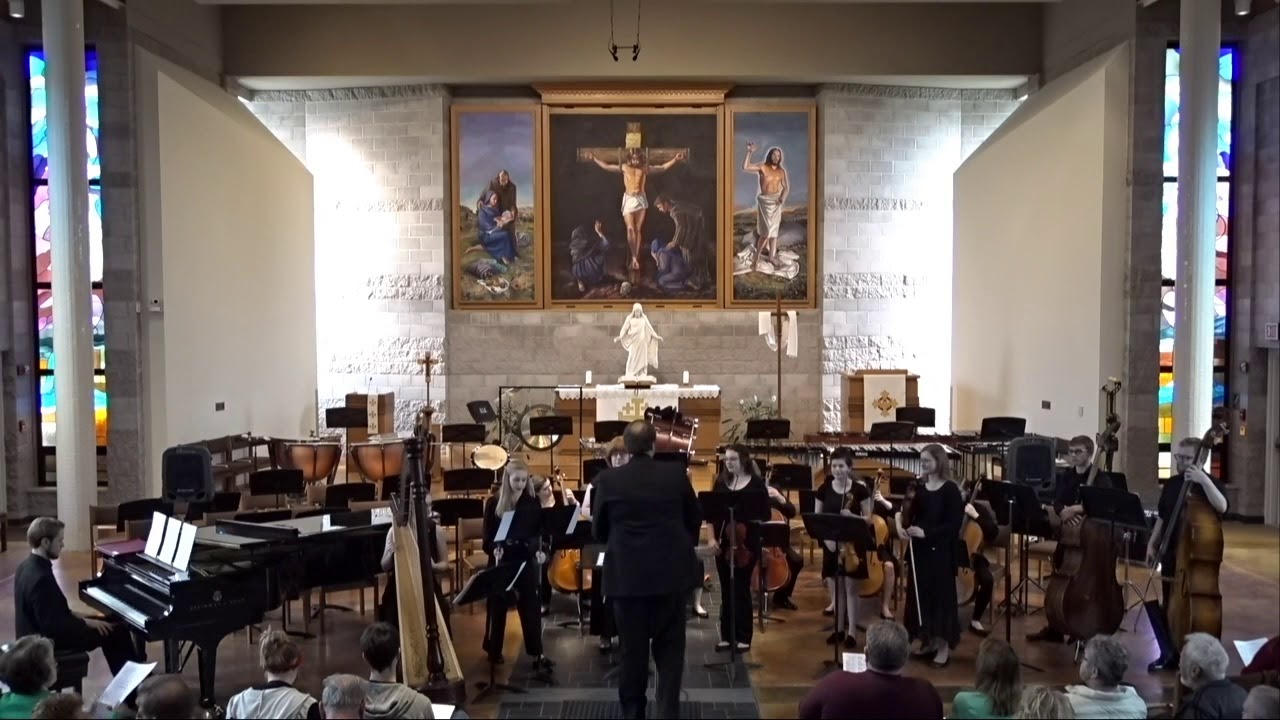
(740, 585)
(833, 502)
(939, 513)
(525, 588)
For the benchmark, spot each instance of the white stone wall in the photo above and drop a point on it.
(888, 154)
(379, 157)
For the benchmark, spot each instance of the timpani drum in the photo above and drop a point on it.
(378, 459)
(675, 435)
(317, 459)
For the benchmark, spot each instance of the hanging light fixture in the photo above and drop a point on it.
(17, 8)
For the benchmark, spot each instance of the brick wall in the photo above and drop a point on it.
(888, 157)
(379, 157)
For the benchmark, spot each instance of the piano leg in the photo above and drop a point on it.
(172, 657)
(207, 654)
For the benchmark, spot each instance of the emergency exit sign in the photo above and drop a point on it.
(1271, 331)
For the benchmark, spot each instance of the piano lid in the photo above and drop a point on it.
(224, 533)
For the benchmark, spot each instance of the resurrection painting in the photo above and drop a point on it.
(770, 163)
(496, 258)
(634, 202)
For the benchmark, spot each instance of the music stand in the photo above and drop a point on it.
(841, 530)
(921, 416)
(278, 481)
(1015, 505)
(452, 511)
(496, 580)
(731, 508)
(467, 480)
(773, 534)
(551, 425)
(1002, 428)
(606, 430)
(463, 433)
(564, 531)
(481, 411)
(1118, 508)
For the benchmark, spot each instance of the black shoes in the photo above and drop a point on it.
(1047, 634)
(1163, 662)
(784, 603)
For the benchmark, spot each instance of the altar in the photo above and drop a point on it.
(615, 402)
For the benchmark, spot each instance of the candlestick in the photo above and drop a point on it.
(588, 377)
(686, 377)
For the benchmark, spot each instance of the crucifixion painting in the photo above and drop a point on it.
(610, 249)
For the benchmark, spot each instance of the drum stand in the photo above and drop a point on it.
(1129, 536)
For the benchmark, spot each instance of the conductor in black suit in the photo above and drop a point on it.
(648, 517)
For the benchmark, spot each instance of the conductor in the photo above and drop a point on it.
(647, 516)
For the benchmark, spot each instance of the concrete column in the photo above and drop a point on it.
(1200, 40)
(77, 471)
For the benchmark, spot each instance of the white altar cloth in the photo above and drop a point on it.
(612, 399)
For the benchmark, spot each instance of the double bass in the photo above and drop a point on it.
(1083, 598)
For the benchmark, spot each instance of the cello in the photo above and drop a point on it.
(564, 573)
(971, 534)
(874, 582)
(773, 560)
(1083, 598)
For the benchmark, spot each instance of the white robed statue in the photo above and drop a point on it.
(641, 343)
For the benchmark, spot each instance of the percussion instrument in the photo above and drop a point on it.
(317, 459)
(489, 457)
(378, 459)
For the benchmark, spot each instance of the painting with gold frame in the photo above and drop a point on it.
(771, 212)
(634, 199)
(496, 190)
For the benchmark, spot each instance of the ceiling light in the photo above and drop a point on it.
(17, 8)
(1242, 7)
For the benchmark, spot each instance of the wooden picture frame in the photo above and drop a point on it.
(769, 126)
(485, 140)
(670, 275)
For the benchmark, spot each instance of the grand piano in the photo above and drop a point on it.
(238, 571)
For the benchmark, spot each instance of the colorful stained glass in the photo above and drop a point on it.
(44, 240)
(39, 110)
(1168, 322)
(49, 410)
(1165, 399)
(1169, 231)
(1172, 93)
(44, 329)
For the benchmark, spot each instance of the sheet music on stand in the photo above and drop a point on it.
(170, 542)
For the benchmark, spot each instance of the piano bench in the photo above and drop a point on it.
(73, 667)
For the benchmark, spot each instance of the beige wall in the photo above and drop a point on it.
(679, 39)
(182, 31)
(1040, 222)
(228, 268)
(1076, 31)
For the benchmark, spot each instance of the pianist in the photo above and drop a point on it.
(40, 608)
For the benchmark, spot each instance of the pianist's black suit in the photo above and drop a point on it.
(40, 608)
(648, 518)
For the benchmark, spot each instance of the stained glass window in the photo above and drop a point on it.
(1169, 245)
(43, 245)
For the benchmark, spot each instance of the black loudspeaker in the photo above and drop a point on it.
(186, 473)
(1031, 460)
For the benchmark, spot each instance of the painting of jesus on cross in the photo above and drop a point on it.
(633, 197)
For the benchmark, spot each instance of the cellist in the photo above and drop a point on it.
(1208, 488)
(1068, 506)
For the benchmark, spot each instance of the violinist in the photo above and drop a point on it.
(739, 474)
(1208, 488)
(795, 561)
(550, 493)
(514, 493)
(933, 534)
(984, 581)
(1068, 507)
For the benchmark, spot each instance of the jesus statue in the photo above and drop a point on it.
(641, 343)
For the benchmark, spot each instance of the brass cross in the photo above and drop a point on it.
(885, 403)
(633, 410)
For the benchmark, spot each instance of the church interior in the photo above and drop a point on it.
(309, 232)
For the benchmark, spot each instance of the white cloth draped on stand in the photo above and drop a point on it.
(790, 333)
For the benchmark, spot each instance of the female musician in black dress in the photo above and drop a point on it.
(933, 534)
(739, 474)
(515, 493)
(601, 617)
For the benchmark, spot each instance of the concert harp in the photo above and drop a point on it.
(427, 658)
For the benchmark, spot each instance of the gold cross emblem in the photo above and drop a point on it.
(885, 403)
(633, 410)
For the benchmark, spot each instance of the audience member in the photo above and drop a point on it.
(1262, 703)
(167, 697)
(343, 697)
(40, 608)
(880, 692)
(1044, 703)
(384, 697)
(60, 706)
(1102, 668)
(1203, 669)
(997, 684)
(277, 698)
(28, 669)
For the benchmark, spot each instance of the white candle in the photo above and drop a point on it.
(686, 377)
(588, 377)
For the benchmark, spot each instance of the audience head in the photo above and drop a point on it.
(1080, 448)
(343, 697)
(28, 667)
(45, 536)
(59, 706)
(1203, 661)
(277, 654)
(841, 463)
(887, 643)
(1104, 662)
(934, 461)
(999, 676)
(640, 437)
(380, 645)
(1044, 703)
(616, 453)
(1263, 702)
(166, 697)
